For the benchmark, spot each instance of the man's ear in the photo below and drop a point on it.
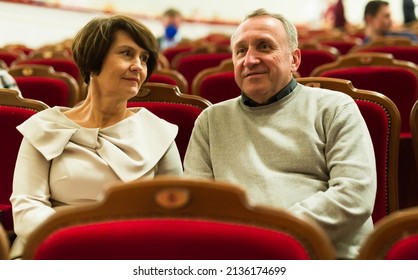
(296, 59)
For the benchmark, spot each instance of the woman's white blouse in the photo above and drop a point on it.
(62, 163)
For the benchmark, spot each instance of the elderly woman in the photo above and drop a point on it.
(69, 155)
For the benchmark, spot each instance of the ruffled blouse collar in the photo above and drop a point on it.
(130, 147)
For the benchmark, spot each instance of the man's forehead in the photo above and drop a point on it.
(258, 28)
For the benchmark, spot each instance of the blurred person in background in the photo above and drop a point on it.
(378, 21)
(171, 20)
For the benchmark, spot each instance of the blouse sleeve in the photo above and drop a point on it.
(170, 163)
(30, 197)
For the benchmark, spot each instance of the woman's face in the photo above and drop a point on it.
(124, 68)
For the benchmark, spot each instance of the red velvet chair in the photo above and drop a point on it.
(175, 218)
(217, 83)
(383, 121)
(13, 111)
(170, 77)
(397, 79)
(171, 52)
(9, 56)
(66, 65)
(42, 82)
(314, 55)
(413, 122)
(394, 238)
(190, 65)
(407, 53)
(167, 102)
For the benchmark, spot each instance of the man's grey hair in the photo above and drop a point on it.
(290, 29)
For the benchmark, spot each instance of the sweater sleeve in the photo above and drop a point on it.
(197, 161)
(348, 202)
(30, 197)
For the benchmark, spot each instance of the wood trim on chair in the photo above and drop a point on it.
(32, 70)
(175, 75)
(413, 123)
(13, 98)
(4, 244)
(168, 93)
(387, 232)
(225, 66)
(364, 59)
(185, 198)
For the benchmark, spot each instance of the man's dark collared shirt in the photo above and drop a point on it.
(282, 93)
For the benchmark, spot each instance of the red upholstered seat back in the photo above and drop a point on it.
(160, 78)
(399, 84)
(168, 239)
(404, 249)
(181, 115)
(10, 117)
(378, 124)
(171, 52)
(190, 65)
(59, 64)
(9, 57)
(219, 87)
(311, 58)
(408, 53)
(52, 91)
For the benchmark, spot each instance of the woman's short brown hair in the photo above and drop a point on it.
(93, 41)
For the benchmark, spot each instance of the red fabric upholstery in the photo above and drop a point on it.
(219, 87)
(190, 65)
(8, 57)
(53, 92)
(342, 46)
(405, 249)
(408, 53)
(181, 115)
(169, 239)
(170, 53)
(377, 122)
(399, 84)
(9, 145)
(160, 78)
(310, 59)
(59, 64)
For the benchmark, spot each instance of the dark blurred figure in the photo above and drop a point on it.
(408, 7)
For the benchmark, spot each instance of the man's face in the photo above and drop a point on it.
(382, 22)
(263, 61)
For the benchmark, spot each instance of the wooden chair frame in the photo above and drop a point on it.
(4, 244)
(387, 232)
(384, 41)
(13, 98)
(152, 92)
(394, 126)
(364, 59)
(413, 123)
(176, 76)
(26, 70)
(184, 198)
(225, 66)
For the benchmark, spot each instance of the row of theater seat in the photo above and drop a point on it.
(173, 218)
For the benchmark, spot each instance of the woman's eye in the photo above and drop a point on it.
(144, 58)
(126, 53)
